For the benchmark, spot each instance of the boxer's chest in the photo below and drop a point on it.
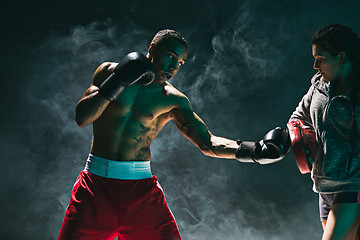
(143, 104)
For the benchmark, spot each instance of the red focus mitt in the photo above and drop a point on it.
(304, 144)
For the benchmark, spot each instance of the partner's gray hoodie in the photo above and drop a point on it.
(336, 122)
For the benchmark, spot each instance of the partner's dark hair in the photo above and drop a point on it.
(336, 38)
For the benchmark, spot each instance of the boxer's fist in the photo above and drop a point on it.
(272, 148)
(135, 67)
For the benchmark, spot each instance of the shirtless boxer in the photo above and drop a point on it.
(116, 194)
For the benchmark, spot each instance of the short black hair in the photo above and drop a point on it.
(166, 34)
(336, 38)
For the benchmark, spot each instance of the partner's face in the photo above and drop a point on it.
(168, 58)
(328, 65)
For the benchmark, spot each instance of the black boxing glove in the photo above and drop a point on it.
(272, 148)
(135, 67)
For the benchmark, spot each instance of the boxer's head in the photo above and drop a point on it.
(167, 51)
(164, 35)
(336, 48)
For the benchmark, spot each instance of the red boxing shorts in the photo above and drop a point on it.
(104, 208)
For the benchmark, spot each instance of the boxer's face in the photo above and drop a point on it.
(168, 58)
(329, 66)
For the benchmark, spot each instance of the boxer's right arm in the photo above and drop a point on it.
(109, 82)
(92, 104)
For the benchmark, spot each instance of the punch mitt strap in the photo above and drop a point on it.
(304, 144)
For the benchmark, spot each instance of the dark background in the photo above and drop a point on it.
(249, 65)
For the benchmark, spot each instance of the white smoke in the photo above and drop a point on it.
(240, 79)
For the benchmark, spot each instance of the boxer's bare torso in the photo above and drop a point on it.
(124, 128)
(128, 125)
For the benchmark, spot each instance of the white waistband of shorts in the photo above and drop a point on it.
(125, 170)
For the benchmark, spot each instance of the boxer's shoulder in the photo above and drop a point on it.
(178, 97)
(103, 71)
(107, 67)
(170, 90)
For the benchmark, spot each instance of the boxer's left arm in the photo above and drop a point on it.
(193, 128)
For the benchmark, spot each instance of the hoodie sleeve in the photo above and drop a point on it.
(302, 111)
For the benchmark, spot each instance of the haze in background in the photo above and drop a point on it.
(249, 65)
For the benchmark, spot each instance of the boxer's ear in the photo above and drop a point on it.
(151, 50)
